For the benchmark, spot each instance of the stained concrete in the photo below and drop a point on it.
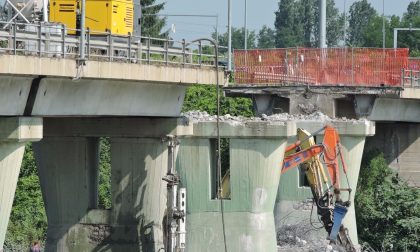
(400, 143)
(15, 132)
(29, 66)
(292, 205)
(68, 166)
(255, 163)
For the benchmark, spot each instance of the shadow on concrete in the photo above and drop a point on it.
(65, 167)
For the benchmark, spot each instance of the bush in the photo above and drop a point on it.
(387, 209)
(28, 221)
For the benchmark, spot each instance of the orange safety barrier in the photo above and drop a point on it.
(329, 66)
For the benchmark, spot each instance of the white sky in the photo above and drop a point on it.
(260, 12)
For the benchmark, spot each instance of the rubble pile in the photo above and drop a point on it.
(199, 116)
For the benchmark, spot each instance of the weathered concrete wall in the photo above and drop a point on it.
(63, 97)
(67, 160)
(292, 205)
(255, 171)
(66, 68)
(400, 143)
(138, 192)
(14, 133)
(14, 94)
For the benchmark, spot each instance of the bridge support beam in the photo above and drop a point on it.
(15, 132)
(293, 198)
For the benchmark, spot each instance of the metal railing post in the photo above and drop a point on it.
(110, 50)
(129, 48)
(183, 52)
(139, 54)
(403, 77)
(88, 42)
(411, 77)
(148, 50)
(200, 53)
(14, 37)
(40, 39)
(166, 56)
(63, 42)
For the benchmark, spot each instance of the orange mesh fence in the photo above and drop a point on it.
(414, 64)
(330, 66)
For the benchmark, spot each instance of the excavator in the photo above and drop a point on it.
(326, 190)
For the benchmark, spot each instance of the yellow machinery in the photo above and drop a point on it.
(102, 16)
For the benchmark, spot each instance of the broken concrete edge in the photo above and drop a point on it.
(21, 129)
(184, 127)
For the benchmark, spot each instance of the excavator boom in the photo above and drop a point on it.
(311, 157)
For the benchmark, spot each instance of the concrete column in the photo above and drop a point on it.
(400, 143)
(67, 168)
(292, 204)
(14, 133)
(67, 161)
(138, 193)
(254, 177)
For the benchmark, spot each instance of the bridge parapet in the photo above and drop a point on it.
(52, 40)
(369, 67)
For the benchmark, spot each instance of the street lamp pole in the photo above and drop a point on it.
(229, 36)
(245, 28)
(383, 23)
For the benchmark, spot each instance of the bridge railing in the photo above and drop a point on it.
(314, 66)
(53, 40)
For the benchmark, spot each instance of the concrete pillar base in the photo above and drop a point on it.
(14, 133)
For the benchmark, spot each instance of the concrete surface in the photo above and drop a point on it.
(19, 65)
(292, 205)
(14, 133)
(255, 171)
(400, 143)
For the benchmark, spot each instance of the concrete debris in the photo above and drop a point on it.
(199, 116)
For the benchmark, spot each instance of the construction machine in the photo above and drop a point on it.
(326, 190)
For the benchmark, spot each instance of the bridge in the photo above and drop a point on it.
(131, 90)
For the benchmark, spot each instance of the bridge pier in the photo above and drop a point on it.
(15, 132)
(67, 160)
(256, 152)
(292, 204)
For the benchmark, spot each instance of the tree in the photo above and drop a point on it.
(387, 209)
(266, 37)
(151, 24)
(238, 39)
(289, 29)
(297, 23)
(361, 15)
(411, 18)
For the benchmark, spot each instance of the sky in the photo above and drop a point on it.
(260, 12)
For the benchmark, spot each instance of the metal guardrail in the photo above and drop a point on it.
(52, 40)
(410, 78)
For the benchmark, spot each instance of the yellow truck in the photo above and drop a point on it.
(102, 16)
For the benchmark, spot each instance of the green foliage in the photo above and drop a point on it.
(203, 98)
(387, 209)
(297, 23)
(361, 15)
(238, 38)
(104, 188)
(266, 37)
(151, 24)
(28, 220)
